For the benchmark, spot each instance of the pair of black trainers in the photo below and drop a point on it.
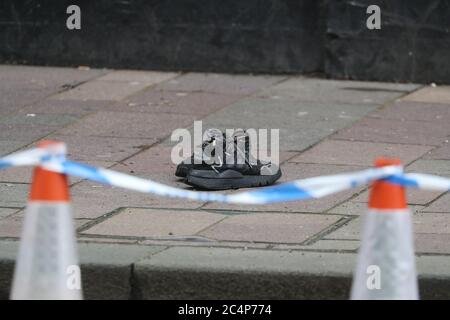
(226, 163)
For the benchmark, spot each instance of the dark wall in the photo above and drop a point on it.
(269, 36)
(412, 45)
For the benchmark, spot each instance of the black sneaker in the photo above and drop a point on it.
(213, 136)
(227, 174)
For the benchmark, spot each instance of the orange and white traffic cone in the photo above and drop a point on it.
(47, 264)
(386, 263)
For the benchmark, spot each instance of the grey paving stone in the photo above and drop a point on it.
(413, 196)
(439, 94)
(110, 149)
(440, 205)
(359, 153)
(394, 131)
(350, 208)
(72, 107)
(155, 223)
(25, 133)
(432, 223)
(5, 212)
(435, 167)
(293, 171)
(52, 75)
(270, 227)
(151, 162)
(8, 146)
(13, 194)
(354, 208)
(220, 83)
(349, 231)
(440, 153)
(325, 245)
(301, 124)
(182, 102)
(145, 77)
(101, 90)
(203, 242)
(433, 243)
(128, 125)
(11, 226)
(41, 119)
(92, 200)
(336, 91)
(417, 111)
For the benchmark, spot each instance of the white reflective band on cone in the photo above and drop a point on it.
(386, 263)
(47, 265)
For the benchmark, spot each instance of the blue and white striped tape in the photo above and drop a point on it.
(303, 189)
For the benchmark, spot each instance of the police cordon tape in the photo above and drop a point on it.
(53, 158)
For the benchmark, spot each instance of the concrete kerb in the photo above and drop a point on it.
(129, 271)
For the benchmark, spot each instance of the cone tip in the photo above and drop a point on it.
(48, 185)
(385, 195)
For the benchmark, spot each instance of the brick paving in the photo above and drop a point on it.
(123, 120)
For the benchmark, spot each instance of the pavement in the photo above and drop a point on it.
(136, 245)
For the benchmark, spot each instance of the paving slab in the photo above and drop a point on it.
(72, 107)
(301, 124)
(294, 171)
(48, 77)
(5, 212)
(424, 223)
(415, 111)
(220, 83)
(178, 102)
(323, 245)
(336, 91)
(413, 196)
(432, 243)
(440, 153)
(438, 94)
(155, 223)
(440, 205)
(102, 90)
(128, 125)
(9, 146)
(13, 194)
(359, 153)
(41, 119)
(25, 133)
(394, 131)
(92, 200)
(270, 227)
(354, 208)
(111, 149)
(435, 167)
(147, 78)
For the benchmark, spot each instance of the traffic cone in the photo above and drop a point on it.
(386, 263)
(47, 264)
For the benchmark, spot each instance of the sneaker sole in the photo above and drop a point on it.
(232, 183)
